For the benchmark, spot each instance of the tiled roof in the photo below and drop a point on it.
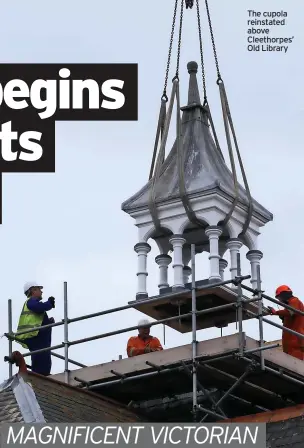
(285, 427)
(62, 403)
(48, 400)
(18, 402)
(288, 433)
(9, 408)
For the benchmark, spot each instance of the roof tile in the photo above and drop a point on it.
(9, 408)
(65, 403)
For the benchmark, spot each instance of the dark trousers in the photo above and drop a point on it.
(41, 362)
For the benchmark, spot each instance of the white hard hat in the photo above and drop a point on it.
(144, 323)
(29, 285)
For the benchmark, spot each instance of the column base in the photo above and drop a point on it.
(215, 279)
(142, 296)
(178, 288)
(163, 286)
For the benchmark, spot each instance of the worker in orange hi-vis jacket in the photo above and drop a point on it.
(144, 342)
(292, 344)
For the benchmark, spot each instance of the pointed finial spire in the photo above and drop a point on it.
(189, 4)
(193, 92)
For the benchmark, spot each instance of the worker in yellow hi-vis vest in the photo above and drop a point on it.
(34, 314)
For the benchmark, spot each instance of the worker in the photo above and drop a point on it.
(144, 342)
(292, 344)
(34, 314)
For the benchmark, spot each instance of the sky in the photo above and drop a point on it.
(69, 226)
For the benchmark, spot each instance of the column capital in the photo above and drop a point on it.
(223, 263)
(177, 239)
(142, 247)
(234, 243)
(254, 255)
(163, 259)
(213, 231)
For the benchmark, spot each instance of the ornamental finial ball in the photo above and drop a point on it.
(192, 67)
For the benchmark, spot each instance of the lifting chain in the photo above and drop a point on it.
(164, 96)
(228, 122)
(165, 117)
(205, 103)
(163, 111)
(164, 125)
(201, 50)
(219, 78)
(179, 40)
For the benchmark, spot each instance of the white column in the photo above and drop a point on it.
(142, 249)
(186, 274)
(254, 256)
(223, 264)
(163, 262)
(177, 242)
(234, 245)
(213, 233)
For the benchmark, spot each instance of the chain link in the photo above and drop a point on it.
(201, 51)
(219, 78)
(189, 4)
(179, 39)
(164, 95)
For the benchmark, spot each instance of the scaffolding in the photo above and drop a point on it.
(196, 362)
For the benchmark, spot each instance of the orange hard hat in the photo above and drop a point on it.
(282, 288)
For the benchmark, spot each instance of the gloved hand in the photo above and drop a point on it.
(271, 310)
(51, 320)
(52, 301)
